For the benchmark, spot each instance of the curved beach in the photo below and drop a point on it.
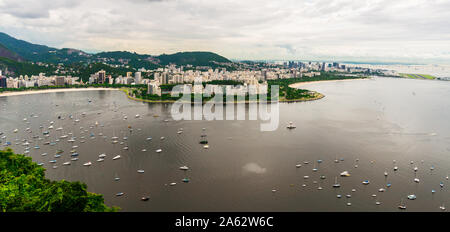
(28, 92)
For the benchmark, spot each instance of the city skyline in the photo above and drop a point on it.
(340, 30)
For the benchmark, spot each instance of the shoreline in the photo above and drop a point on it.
(317, 97)
(294, 85)
(39, 91)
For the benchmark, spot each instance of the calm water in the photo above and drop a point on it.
(376, 121)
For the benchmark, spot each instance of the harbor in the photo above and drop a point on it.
(381, 155)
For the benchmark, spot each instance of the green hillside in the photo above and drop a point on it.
(193, 58)
(24, 68)
(24, 188)
(41, 53)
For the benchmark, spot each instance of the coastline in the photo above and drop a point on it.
(318, 95)
(39, 91)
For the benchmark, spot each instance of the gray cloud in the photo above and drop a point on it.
(255, 29)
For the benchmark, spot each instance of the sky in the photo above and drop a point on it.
(408, 31)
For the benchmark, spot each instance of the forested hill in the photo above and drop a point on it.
(20, 50)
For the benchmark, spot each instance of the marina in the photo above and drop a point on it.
(380, 159)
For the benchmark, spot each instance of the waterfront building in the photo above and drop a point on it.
(153, 89)
(2, 81)
(101, 76)
(59, 81)
(137, 78)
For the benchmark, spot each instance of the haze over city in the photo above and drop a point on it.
(363, 31)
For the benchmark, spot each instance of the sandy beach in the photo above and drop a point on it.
(28, 92)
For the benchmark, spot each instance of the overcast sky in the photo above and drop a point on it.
(358, 30)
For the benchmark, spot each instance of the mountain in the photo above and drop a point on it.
(6, 53)
(20, 50)
(193, 58)
(17, 68)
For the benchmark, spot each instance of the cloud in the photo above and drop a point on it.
(378, 30)
(31, 9)
(254, 168)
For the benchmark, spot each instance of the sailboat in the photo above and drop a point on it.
(336, 184)
(184, 168)
(291, 126)
(402, 205)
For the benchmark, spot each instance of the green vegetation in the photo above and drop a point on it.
(289, 93)
(417, 76)
(24, 188)
(192, 58)
(25, 68)
(20, 50)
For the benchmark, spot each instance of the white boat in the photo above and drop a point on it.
(412, 197)
(66, 163)
(336, 184)
(416, 180)
(402, 206)
(102, 156)
(395, 168)
(291, 126)
(159, 151)
(345, 174)
(172, 184)
(144, 150)
(366, 182)
(184, 168)
(16, 130)
(116, 157)
(100, 160)
(298, 166)
(87, 164)
(385, 173)
(140, 171)
(74, 159)
(137, 116)
(206, 146)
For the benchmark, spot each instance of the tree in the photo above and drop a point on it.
(24, 188)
